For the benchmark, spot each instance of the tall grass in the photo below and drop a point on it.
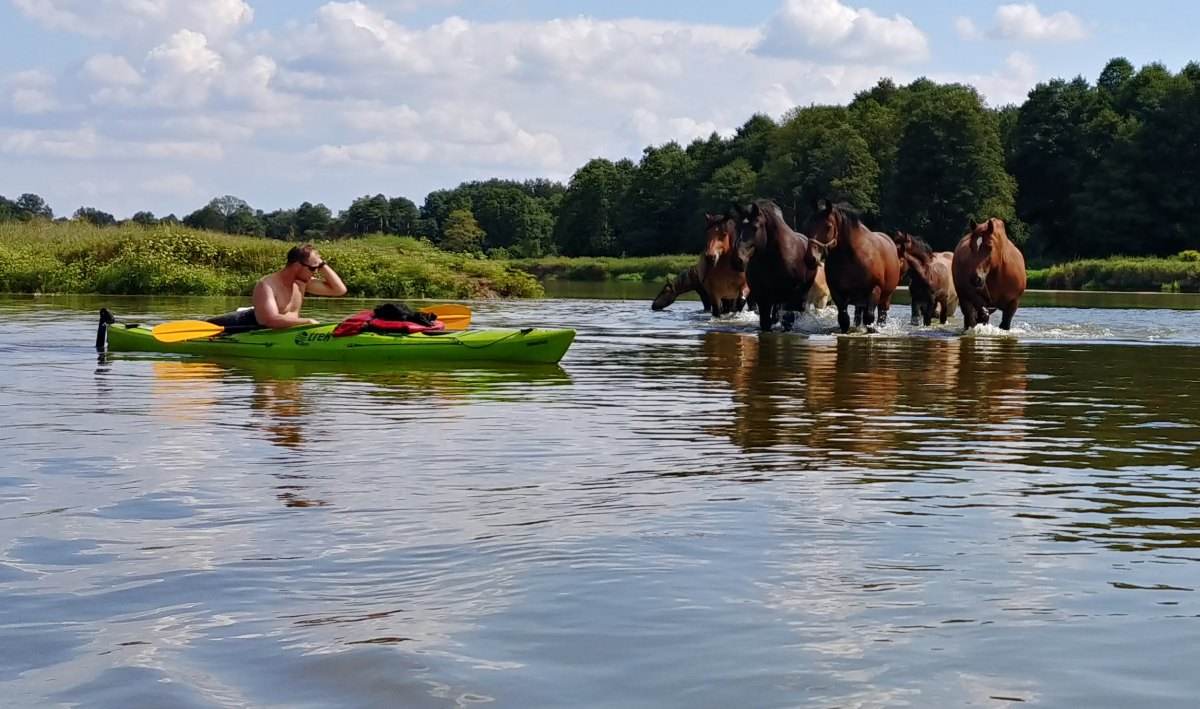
(45, 257)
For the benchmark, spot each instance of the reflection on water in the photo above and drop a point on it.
(684, 513)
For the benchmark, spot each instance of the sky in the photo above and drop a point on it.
(161, 105)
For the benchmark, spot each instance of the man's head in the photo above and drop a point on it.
(304, 262)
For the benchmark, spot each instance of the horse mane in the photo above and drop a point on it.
(852, 216)
(768, 206)
(921, 248)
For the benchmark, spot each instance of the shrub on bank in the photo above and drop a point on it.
(1126, 274)
(45, 257)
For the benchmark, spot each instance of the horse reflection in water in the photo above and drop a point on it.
(866, 402)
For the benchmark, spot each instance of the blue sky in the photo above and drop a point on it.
(163, 104)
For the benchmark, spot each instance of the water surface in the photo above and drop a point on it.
(683, 513)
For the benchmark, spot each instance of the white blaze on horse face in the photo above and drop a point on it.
(978, 242)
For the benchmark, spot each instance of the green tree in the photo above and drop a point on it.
(817, 153)
(587, 218)
(367, 215)
(462, 232)
(94, 216)
(8, 209)
(30, 206)
(207, 217)
(245, 220)
(949, 167)
(655, 215)
(312, 221)
(1050, 157)
(404, 216)
(734, 182)
(144, 218)
(752, 141)
(280, 224)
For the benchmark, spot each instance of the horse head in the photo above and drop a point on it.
(718, 237)
(829, 223)
(665, 297)
(987, 240)
(915, 254)
(750, 225)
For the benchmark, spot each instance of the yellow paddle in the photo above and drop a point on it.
(180, 330)
(456, 317)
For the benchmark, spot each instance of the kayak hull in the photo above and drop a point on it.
(316, 343)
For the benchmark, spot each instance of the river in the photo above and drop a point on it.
(683, 513)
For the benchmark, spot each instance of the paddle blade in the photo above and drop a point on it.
(456, 317)
(180, 330)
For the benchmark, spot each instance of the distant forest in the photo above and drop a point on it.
(1078, 170)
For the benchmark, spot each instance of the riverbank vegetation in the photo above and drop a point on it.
(46, 257)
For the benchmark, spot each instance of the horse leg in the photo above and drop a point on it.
(983, 316)
(1010, 309)
(858, 316)
(789, 319)
(968, 311)
(916, 310)
(927, 313)
(885, 304)
(765, 321)
(869, 310)
(839, 300)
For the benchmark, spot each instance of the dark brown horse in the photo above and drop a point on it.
(725, 285)
(862, 266)
(930, 284)
(780, 264)
(687, 280)
(989, 274)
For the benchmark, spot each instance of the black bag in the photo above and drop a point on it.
(399, 312)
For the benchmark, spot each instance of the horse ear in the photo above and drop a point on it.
(991, 226)
(828, 205)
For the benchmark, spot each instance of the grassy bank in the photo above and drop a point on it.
(1180, 274)
(44, 257)
(602, 268)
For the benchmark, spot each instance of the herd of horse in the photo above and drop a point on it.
(753, 259)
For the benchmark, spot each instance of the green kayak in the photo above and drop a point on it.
(316, 343)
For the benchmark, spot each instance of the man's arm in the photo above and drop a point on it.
(266, 312)
(328, 284)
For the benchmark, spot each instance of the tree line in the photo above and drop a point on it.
(1077, 170)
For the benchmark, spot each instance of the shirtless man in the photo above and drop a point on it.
(278, 296)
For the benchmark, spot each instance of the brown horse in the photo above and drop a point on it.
(930, 284)
(862, 266)
(989, 274)
(687, 280)
(725, 285)
(780, 264)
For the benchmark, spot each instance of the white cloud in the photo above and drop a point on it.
(1026, 22)
(966, 29)
(827, 28)
(184, 68)
(33, 101)
(444, 134)
(124, 18)
(178, 185)
(1006, 85)
(111, 69)
(87, 144)
(653, 129)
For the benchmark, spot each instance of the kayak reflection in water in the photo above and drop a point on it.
(279, 296)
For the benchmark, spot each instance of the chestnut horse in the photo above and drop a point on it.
(862, 266)
(989, 274)
(725, 285)
(780, 264)
(687, 280)
(930, 284)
